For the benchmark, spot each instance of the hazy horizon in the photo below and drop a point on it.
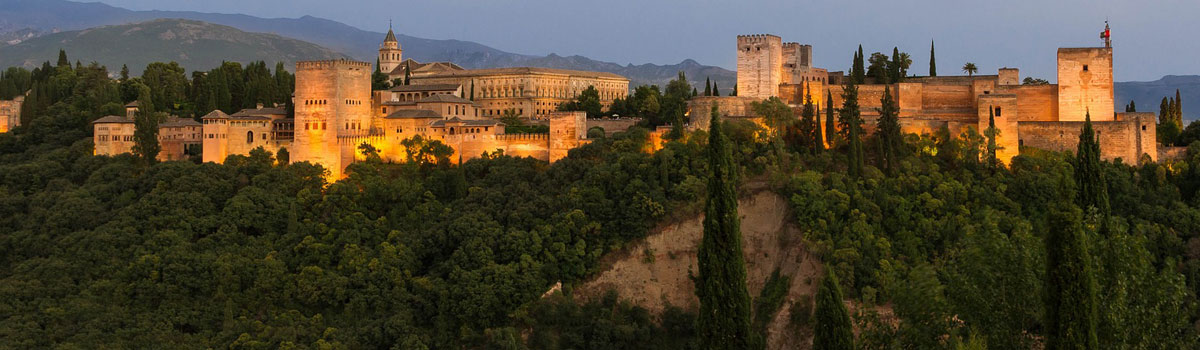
(1022, 34)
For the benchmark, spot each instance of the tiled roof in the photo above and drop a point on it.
(523, 70)
(215, 114)
(413, 113)
(113, 119)
(178, 122)
(448, 98)
(425, 87)
(260, 112)
(465, 122)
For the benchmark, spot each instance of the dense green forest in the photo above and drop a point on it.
(112, 252)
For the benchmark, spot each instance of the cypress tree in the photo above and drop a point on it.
(724, 318)
(991, 133)
(894, 74)
(888, 131)
(695, 92)
(1178, 109)
(932, 61)
(1163, 115)
(1089, 176)
(832, 330)
(850, 119)
(145, 133)
(62, 59)
(808, 126)
(818, 140)
(124, 72)
(858, 73)
(1071, 313)
(717, 91)
(407, 74)
(707, 87)
(830, 125)
(472, 89)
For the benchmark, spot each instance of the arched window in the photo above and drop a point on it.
(249, 137)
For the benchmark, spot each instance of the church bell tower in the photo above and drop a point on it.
(390, 53)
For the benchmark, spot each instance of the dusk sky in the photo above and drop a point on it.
(1150, 38)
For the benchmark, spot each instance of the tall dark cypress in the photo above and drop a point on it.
(830, 123)
(1178, 109)
(707, 87)
(888, 131)
(62, 59)
(1163, 111)
(809, 126)
(992, 133)
(858, 73)
(932, 61)
(724, 318)
(1071, 313)
(832, 329)
(472, 90)
(1089, 176)
(818, 135)
(850, 119)
(716, 91)
(734, 93)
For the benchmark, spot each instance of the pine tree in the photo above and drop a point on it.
(1071, 313)
(707, 87)
(832, 329)
(717, 91)
(932, 61)
(62, 59)
(724, 318)
(850, 119)
(1089, 176)
(124, 73)
(830, 124)
(888, 131)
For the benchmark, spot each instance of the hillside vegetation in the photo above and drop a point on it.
(938, 247)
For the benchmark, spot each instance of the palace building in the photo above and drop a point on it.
(1046, 116)
(10, 113)
(527, 91)
(113, 135)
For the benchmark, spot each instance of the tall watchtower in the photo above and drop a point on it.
(1085, 82)
(333, 98)
(390, 53)
(759, 65)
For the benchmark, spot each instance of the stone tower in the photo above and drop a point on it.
(1085, 83)
(759, 65)
(390, 53)
(567, 131)
(333, 98)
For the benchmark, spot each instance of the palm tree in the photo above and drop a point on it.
(970, 68)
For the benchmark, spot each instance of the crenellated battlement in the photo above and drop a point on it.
(327, 64)
(523, 137)
(758, 38)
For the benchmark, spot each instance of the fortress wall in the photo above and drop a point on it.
(1118, 139)
(1002, 108)
(947, 97)
(1085, 83)
(910, 97)
(612, 126)
(1035, 102)
(729, 106)
(328, 95)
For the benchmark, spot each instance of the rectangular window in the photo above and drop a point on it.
(1085, 68)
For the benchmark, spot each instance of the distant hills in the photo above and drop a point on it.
(24, 19)
(195, 45)
(1149, 94)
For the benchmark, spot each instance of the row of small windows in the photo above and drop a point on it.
(353, 102)
(106, 138)
(314, 126)
(314, 102)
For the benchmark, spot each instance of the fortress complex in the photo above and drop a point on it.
(336, 112)
(1047, 116)
(528, 91)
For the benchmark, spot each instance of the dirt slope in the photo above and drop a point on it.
(654, 273)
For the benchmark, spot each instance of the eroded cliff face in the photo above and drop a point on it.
(655, 272)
